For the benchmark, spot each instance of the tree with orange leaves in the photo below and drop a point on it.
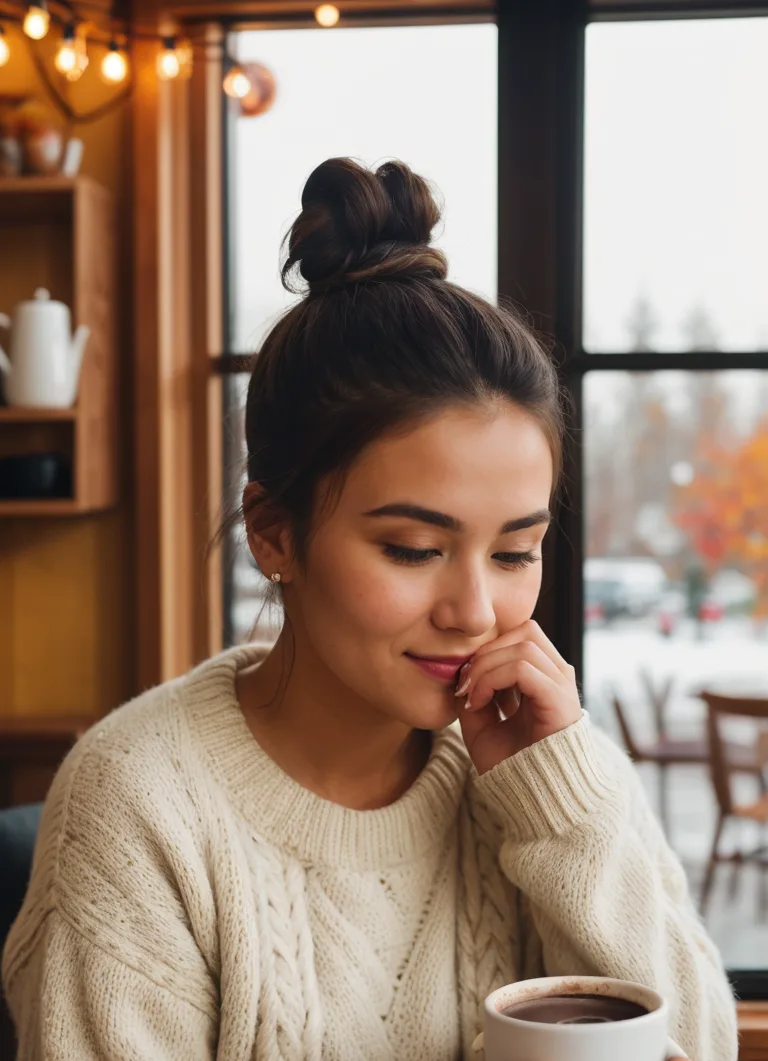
(724, 510)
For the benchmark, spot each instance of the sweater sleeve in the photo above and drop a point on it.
(73, 1001)
(607, 895)
(104, 962)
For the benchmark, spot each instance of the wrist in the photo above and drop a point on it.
(552, 785)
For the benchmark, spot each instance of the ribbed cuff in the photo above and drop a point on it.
(551, 786)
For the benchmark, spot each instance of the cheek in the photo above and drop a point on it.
(373, 599)
(517, 605)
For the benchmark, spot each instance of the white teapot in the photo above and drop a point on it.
(45, 362)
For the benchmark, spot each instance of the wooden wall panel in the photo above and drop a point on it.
(206, 287)
(178, 279)
(66, 610)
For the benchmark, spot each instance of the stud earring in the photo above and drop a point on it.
(277, 577)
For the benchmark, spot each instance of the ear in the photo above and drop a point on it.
(269, 539)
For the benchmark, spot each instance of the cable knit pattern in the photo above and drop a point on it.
(189, 901)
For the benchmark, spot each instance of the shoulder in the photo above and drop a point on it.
(144, 760)
(116, 803)
(133, 797)
(127, 761)
(121, 850)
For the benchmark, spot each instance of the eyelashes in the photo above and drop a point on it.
(401, 554)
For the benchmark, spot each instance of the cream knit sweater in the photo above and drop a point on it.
(189, 901)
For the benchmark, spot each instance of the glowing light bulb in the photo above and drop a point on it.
(327, 15)
(114, 65)
(81, 59)
(184, 55)
(66, 56)
(5, 51)
(36, 21)
(236, 83)
(168, 65)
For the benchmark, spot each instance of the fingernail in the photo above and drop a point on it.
(465, 681)
(467, 704)
(464, 686)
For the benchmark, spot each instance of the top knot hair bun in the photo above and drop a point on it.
(358, 225)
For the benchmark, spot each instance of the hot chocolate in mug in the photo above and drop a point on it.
(576, 1018)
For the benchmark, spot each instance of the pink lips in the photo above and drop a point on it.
(443, 668)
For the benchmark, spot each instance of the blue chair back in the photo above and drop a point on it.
(18, 832)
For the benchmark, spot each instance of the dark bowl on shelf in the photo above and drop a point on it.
(35, 475)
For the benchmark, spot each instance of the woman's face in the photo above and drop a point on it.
(421, 558)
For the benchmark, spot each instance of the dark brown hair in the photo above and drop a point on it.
(380, 340)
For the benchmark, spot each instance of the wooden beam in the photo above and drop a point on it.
(207, 279)
(178, 318)
(163, 426)
(225, 10)
(147, 468)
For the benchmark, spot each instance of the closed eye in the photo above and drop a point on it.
(516, 559)
(401, 554)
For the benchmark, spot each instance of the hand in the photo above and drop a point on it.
(518, 690)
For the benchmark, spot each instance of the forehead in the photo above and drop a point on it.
(496, 457)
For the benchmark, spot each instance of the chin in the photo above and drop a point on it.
(431, 716)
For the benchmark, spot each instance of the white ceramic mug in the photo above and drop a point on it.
(641, 1038)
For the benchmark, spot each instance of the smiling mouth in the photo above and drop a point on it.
(444, 669)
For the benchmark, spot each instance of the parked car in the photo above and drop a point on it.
(729, 593)
(604, 600)
(621, 586)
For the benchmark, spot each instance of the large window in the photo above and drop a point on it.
(670, 370)
(437, 113)
(676, 167)
(675, 461)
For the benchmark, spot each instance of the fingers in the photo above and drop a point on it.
(527, 631)
(530, 681)
(475, 723)
(501, 669)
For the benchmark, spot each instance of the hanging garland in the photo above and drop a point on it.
(251, 83)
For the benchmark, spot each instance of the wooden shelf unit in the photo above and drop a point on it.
(20, 414)
(59, 233)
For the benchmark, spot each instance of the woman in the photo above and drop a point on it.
(293, 854)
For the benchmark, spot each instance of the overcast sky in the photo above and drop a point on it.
(426, 95)
(676, 162)
(676, 171)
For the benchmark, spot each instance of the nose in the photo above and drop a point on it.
(465, 603)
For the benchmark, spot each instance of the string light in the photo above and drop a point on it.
(327, 15)
(114, 65)
(174, 59)
(184, 55)
(237, 84)
(37, 20)
(168, 65)
(66, 56)
(81, 57)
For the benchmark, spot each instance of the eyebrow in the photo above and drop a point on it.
(440, 519)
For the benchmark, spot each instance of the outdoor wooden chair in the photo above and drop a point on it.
(658, 697)
(721, 768)
(667, 751)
